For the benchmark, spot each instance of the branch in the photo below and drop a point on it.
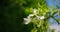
(56, 20)
(52, 17)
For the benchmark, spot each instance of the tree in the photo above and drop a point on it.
(13, 12)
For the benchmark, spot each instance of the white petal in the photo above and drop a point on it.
(42, 17)
(31, 15)
(35, 11)
(26, 21)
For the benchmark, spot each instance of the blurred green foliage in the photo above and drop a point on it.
(12, 14)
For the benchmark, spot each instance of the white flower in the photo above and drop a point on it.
(30, 15)
(34, 11)
(26, 21)
(42, 17)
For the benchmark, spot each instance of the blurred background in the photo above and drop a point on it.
(12, 13)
